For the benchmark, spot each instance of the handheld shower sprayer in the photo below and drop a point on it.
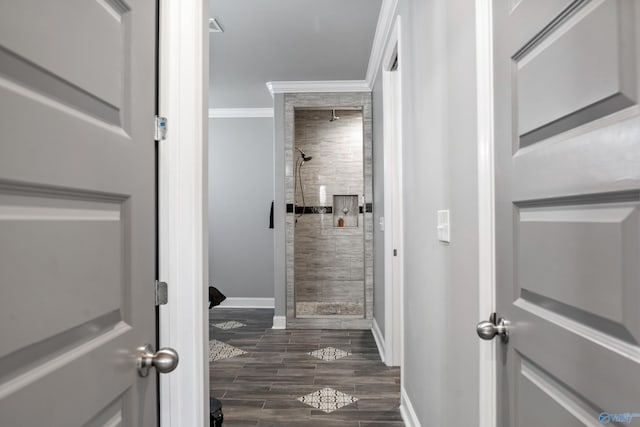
(304, 157)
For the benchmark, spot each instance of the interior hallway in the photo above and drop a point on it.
(264, 376)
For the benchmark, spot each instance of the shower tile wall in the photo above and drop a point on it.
(329, 260)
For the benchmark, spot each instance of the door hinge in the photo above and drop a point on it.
(395, 252)
(161, 293)
(161, 128)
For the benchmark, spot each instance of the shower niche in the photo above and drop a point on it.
(345, 211)
(329, 221)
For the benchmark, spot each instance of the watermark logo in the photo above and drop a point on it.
(625, 417)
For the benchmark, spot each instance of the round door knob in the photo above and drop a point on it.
(164, 360)
(487, 330)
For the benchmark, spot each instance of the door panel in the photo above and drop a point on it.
(101, 34)
(567, 209)
(602, 239)
(77, 212)
(579, 71)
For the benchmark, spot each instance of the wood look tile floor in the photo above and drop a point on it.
(261, 387)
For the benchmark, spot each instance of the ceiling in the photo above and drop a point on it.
(286, 40)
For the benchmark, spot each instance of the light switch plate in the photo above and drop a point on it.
(444, 226)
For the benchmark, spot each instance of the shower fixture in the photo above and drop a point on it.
(304, 157)
(297, 178)
(333, 116)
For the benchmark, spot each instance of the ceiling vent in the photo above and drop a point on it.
(214, 26)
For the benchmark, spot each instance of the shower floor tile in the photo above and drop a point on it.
(305, 308)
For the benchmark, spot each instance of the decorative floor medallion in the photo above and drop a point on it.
(219, 350)
(229, 325)
(329, 353)
(327, 399)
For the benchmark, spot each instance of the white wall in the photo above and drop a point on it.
(240, 195)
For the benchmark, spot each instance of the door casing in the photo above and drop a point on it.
(393, 211)
(486, 210)
(184, 51)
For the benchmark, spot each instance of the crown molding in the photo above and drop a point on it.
(318, 86)
(239, 113)
(383, 28)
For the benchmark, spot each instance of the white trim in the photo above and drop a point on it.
(239, 113)
(406, 410)
(318, 86)
(486, 215)
(238, 302)
(279, 322)
(393, 204)
(183, 85)
(379, 338)
(383, 28)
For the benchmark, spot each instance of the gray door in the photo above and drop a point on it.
(568, 211)
(77, 234)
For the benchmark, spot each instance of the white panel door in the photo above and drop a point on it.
(77, 212)
(568, 211)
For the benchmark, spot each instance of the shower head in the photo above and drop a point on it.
(303, 155)
(333, 116)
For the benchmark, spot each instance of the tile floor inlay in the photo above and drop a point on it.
(219, 350)
(329, 353)
(327, 399)
(232, 324)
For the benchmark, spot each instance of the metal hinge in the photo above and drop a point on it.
(161, 128)
(161, 293)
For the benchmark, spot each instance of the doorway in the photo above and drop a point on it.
(357, 104)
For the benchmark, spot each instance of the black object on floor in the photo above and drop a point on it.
(215, 412)
(215, 297)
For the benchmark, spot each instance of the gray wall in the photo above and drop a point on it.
(378, 204)
(440, 172)
(240, 195)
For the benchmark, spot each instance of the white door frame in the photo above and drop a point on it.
(486, 210)
(393, 205)
(184, 92)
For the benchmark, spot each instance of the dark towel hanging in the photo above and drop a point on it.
(215, 297)
(271, 216)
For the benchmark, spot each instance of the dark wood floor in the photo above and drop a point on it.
(261, 387)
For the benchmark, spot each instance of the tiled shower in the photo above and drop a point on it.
(329, 271)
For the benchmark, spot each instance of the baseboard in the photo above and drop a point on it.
(233, 302)
(279, 322)
(406, 410)
(377, 335)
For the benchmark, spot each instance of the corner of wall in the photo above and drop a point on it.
(406, 410)
(379, 338)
